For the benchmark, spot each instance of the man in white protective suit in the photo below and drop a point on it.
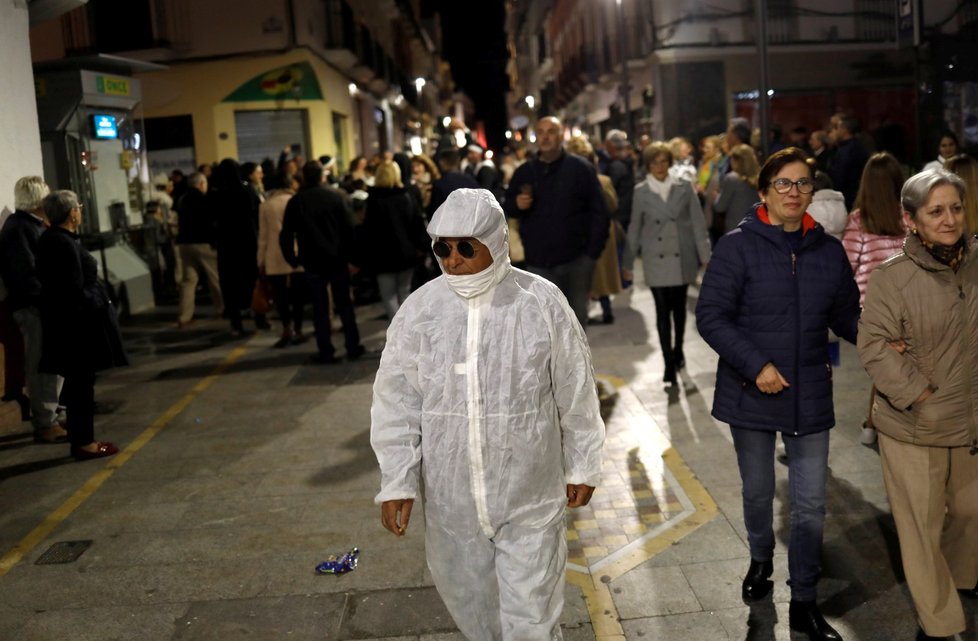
(486, 392)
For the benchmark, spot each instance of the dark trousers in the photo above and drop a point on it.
(670, 312)
(78, 395)
(338, 281)
(574, 280)
(808, 461)
(291, 292)
(14, 375)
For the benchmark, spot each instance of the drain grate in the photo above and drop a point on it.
(63, 552)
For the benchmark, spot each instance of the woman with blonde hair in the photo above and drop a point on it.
(966, 168)
(606, 280)
(738, 189)
(874, 232)
(392, 236)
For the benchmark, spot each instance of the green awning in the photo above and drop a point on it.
(297, 82)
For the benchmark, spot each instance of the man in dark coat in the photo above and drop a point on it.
(452, 178)
(18, 251)
(563, 217)
(846, 166)
(320, 219)
(196, 241)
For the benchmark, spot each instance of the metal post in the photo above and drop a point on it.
(762, 99)
(625, 89)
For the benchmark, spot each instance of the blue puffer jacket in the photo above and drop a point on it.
(761, 303)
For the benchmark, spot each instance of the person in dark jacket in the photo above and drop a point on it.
(18, 268)
(196, 239)
(563, 217)
(846, 167)
(80, 328)
(393, 237)
(773, 288)
(235, 208)
(452, 178)
(320, 220)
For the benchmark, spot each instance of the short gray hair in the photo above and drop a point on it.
(29, 191)
(917, 189)
(58, 205)
(196, 179)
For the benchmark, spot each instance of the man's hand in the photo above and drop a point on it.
(770, 380)
(578, 495)
(524, 201)
(353, 269)
(394, 515)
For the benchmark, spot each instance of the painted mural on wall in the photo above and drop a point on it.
(297, 82)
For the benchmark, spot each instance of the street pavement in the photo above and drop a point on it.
(243, 467)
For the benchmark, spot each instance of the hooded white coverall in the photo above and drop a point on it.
(486, 391)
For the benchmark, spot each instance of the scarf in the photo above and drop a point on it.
(950, 255)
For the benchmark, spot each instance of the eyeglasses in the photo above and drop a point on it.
(783, 185)
(464, 248)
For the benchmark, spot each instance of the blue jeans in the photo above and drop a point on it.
(808, 458)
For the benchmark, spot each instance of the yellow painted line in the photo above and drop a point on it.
(41, 532)
(601, 607)
(596, 587)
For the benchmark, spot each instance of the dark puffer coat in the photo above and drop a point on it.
(759, 303)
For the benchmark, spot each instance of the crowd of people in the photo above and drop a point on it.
(820, 239)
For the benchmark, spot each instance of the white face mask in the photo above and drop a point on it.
(471, 285)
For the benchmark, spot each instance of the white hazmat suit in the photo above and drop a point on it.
(486, 391)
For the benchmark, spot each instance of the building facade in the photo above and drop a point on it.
(687, 67)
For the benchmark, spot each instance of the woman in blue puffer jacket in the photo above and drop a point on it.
(772, 289)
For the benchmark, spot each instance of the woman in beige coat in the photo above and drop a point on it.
(289, 289)
(918, 339)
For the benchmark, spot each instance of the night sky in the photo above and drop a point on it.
(474, 44)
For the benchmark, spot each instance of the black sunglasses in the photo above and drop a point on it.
(444, 250)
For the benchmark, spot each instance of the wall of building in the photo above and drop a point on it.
(20, 137)
(198, 89)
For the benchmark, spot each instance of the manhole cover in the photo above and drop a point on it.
(63, 552)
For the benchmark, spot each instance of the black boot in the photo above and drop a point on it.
(679, 358)
(923, 636)
(804, 617)
(757, 583)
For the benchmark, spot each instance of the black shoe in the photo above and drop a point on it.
(757, 583)
(285, 341)
(923, 636)
(320, 359)
(804, 617)
(356, 352)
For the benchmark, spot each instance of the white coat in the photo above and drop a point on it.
(489, 402)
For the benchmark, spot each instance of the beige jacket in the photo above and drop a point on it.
(270, 215)
(912, 297)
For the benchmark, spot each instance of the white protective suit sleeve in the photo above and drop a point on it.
(395, 417)
(575, 392)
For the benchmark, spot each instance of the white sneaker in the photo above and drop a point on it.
(868, 437)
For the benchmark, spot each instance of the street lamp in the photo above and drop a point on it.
(530, 101)
(419, 84)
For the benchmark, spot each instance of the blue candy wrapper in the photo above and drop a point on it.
(339, 564)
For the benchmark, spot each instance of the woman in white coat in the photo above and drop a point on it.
(668, 231)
